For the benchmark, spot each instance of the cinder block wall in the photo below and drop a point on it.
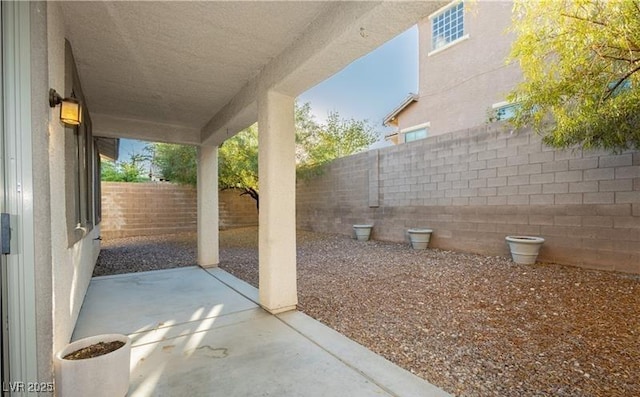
(144, 209)
(236, 210)
(474, 187)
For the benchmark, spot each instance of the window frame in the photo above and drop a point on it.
(496, 107)
(83, 193)
(439, 13)
(97, 184)
(415, 128)
(80, 169)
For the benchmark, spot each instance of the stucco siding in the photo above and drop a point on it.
(458, 85)
(72, 262)
(41, 191)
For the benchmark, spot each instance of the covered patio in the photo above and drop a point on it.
(178, 72)
(201, 332)
(198, 73)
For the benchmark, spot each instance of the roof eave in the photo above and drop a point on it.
(408, 101)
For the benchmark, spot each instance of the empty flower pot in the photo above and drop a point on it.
(362, 232)
(420, 238)
(524, 249)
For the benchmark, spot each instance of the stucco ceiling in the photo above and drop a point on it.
(191, 70)
(177, 62)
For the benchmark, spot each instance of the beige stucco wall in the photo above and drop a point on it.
(41, 192)
(458, 85)
(72, 264)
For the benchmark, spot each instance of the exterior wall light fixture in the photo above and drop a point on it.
(70, 109)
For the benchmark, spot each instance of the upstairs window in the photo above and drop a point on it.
(615, 88)
(504, 111)
(415, 133)
(447, 25)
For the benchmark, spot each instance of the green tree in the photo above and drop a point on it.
(177, 163)
(319, 144)
(316, 145)
(109, 172)
(581, 61)
(306, 127)
(123, 171)
(238, 163)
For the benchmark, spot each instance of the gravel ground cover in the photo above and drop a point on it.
(141, 254)
(472, 325)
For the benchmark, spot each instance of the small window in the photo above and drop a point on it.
(616, 88)
(415, 135)
(447, 26)
(504, 111)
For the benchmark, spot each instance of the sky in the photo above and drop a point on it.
(372, 86)
(367, 89)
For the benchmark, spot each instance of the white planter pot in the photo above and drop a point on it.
(524, 249)
(362, 232)
(102, 376)
(420, 238)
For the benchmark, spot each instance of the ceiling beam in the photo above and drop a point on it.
(341, 35)
(105, 125)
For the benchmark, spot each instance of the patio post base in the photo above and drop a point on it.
(280, 309)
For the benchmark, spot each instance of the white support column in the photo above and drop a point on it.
(208, 233)
(277, 186)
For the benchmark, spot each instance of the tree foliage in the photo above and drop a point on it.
(238, 163)
(237, 158)
(123, 171)
(581, 65)
(319, 144)
(177, 163)
(316, 145)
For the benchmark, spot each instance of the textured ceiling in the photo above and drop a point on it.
(191, 72)
(177, 62)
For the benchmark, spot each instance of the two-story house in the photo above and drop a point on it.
(463, 72)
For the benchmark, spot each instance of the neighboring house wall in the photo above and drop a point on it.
(458, 85)
(146, 209)
(73, 244)
(474, 187)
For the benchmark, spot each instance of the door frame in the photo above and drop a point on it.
(18, 193)
(4, 334)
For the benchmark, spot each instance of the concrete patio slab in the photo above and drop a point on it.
(136, 302)
(198, 332)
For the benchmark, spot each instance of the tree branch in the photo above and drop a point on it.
(583, 19)
(613, 57)
(622, 80)
(253, 194)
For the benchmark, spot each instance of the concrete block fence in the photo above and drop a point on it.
(144, 209)
(236, 210)
(476, 186)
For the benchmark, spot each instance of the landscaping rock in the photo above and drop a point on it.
(470, 324)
